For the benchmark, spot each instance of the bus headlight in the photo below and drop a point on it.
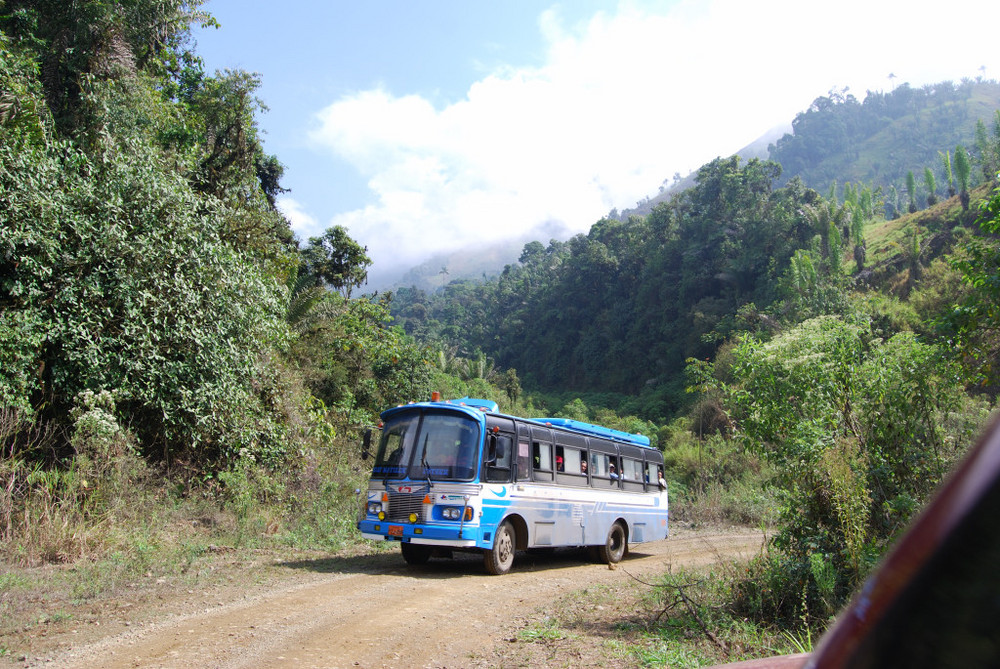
(455, 513)
(374, 508)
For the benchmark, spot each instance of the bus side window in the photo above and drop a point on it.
(542, 456)
(571, 460)
(651, 474)
(632, 469)
(604, 466)
(523, 461)
(614, 469)
(632, 476)
(598, 464)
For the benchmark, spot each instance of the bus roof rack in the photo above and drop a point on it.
(596, 430)
(488, 406)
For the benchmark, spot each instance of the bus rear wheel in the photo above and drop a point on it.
(415, 554)
(499, 559)
(615, 546)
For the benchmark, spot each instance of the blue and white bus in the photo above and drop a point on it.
(459, 475)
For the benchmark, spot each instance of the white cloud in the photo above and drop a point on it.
(622, 103)
(302, 223)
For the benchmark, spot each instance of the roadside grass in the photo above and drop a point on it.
(75, 540)
(545, 629)
(650, 624)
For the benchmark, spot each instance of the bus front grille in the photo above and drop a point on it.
(401, 505)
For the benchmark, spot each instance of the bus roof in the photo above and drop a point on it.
(489, 406)
(596, 430)
(468, 404)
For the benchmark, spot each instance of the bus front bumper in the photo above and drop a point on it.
(435, 535)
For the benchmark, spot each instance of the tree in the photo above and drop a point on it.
(74, 41)
(355, 361)
(911, 191)
(336, 260)
(963, 169)
(511, 385)
(949, 175)
(931, 186)
(988, 147)
(976, 322)
(146, 299)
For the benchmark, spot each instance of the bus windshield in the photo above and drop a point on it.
(433, 446)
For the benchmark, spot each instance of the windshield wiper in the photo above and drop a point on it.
(423, 463)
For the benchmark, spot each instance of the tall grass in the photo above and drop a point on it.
(713, 480)
(102, 501)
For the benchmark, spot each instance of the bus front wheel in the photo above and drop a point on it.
(415, 554)
(499, 559)
(615, 546)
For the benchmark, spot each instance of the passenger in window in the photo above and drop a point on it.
(583, 466)
(612, 473)
(559, 464)
(662, 482)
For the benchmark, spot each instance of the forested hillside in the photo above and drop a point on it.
(883, 137)
(876, 141)
(620, 309)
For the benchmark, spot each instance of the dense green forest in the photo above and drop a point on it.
(816, 356)
(157, 317)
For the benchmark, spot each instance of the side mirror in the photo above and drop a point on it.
(491, 450)
(366, 444)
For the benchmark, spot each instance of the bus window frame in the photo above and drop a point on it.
(567, 443)
(634, 455)
(653, 461)
(607, 449)
(541, 443)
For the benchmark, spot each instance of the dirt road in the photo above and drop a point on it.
(374, 611)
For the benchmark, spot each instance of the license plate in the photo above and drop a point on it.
(395, 530)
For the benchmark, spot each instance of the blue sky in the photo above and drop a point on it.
(432, 126)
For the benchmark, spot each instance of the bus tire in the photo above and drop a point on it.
(415, 554)
(499, 559)
(615, 545)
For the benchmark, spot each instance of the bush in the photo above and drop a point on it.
(854, 426)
